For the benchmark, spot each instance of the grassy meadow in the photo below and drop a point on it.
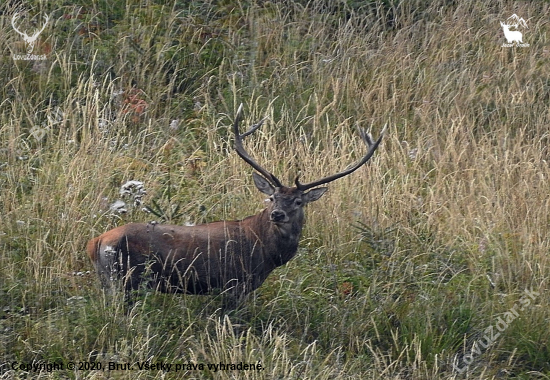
(431, 262)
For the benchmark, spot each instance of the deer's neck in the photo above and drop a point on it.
(280, 241)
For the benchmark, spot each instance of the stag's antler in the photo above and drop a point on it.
(300, 186)
(244, 155)
(372, 148)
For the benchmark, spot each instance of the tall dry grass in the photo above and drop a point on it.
(403, 264)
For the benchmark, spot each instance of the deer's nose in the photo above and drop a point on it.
(278, 216)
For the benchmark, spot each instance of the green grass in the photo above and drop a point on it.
(403, 266)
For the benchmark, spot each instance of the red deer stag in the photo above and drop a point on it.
(233, 256)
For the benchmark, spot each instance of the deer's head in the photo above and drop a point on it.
(286, 203)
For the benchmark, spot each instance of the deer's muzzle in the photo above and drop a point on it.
(278, 216)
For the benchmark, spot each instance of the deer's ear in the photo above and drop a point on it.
(262, 184)
(313, 195)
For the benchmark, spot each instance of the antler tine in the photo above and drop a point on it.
(372, 148)
(253, 128)
(242, 152)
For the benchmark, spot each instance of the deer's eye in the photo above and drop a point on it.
(270, 199)
(298, 202)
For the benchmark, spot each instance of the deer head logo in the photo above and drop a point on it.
(29, 40)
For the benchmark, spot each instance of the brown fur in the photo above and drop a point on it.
(234, 256)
